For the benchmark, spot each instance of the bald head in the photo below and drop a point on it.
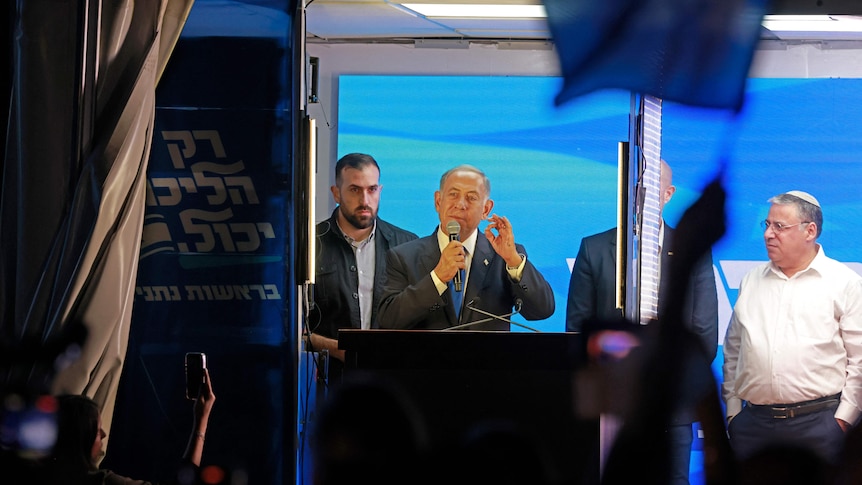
(667, 189)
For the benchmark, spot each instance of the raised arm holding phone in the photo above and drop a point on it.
(78, 450)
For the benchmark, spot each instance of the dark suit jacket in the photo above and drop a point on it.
(592, 292)
(410, 299)
(336, 300)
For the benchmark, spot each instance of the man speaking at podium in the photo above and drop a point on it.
(458, 277)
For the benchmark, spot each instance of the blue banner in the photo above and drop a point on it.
(214, 276)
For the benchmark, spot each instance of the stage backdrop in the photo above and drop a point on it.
(553, 171)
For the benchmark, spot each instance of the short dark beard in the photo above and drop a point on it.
(356, 222)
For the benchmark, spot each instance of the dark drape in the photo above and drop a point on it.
(80, 104)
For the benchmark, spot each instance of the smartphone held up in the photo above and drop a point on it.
(196, 362)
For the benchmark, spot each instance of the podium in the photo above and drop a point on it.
(461, 379)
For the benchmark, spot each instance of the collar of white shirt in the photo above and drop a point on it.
(469, 243)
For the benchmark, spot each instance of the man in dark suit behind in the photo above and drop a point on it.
(592, 298)
(351, 251)
(496, 273)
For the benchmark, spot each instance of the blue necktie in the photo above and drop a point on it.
(457, 296)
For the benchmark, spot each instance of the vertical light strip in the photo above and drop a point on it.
(622, 224)
(651, 216)
(311, 269)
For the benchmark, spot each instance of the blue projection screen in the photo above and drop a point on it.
(553, 170)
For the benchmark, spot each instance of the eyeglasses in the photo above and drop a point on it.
(778, 227)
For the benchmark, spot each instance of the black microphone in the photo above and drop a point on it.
(518, 304)
(454, 230)
(475, 301)
(491, 316)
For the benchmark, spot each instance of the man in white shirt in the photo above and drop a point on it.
(793, 350)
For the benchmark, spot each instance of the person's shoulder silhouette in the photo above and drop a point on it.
(368, 431)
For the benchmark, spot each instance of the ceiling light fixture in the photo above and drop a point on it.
(813, 23)
(448, 9)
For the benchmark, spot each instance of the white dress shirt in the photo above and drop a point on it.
(796, 339)
(365, 252)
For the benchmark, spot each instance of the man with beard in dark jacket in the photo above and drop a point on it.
(351, 257)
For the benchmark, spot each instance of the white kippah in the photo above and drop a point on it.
(804, 196)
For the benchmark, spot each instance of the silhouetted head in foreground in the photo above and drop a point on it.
(368, 431)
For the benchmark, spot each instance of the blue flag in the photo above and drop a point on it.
(695, 52)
